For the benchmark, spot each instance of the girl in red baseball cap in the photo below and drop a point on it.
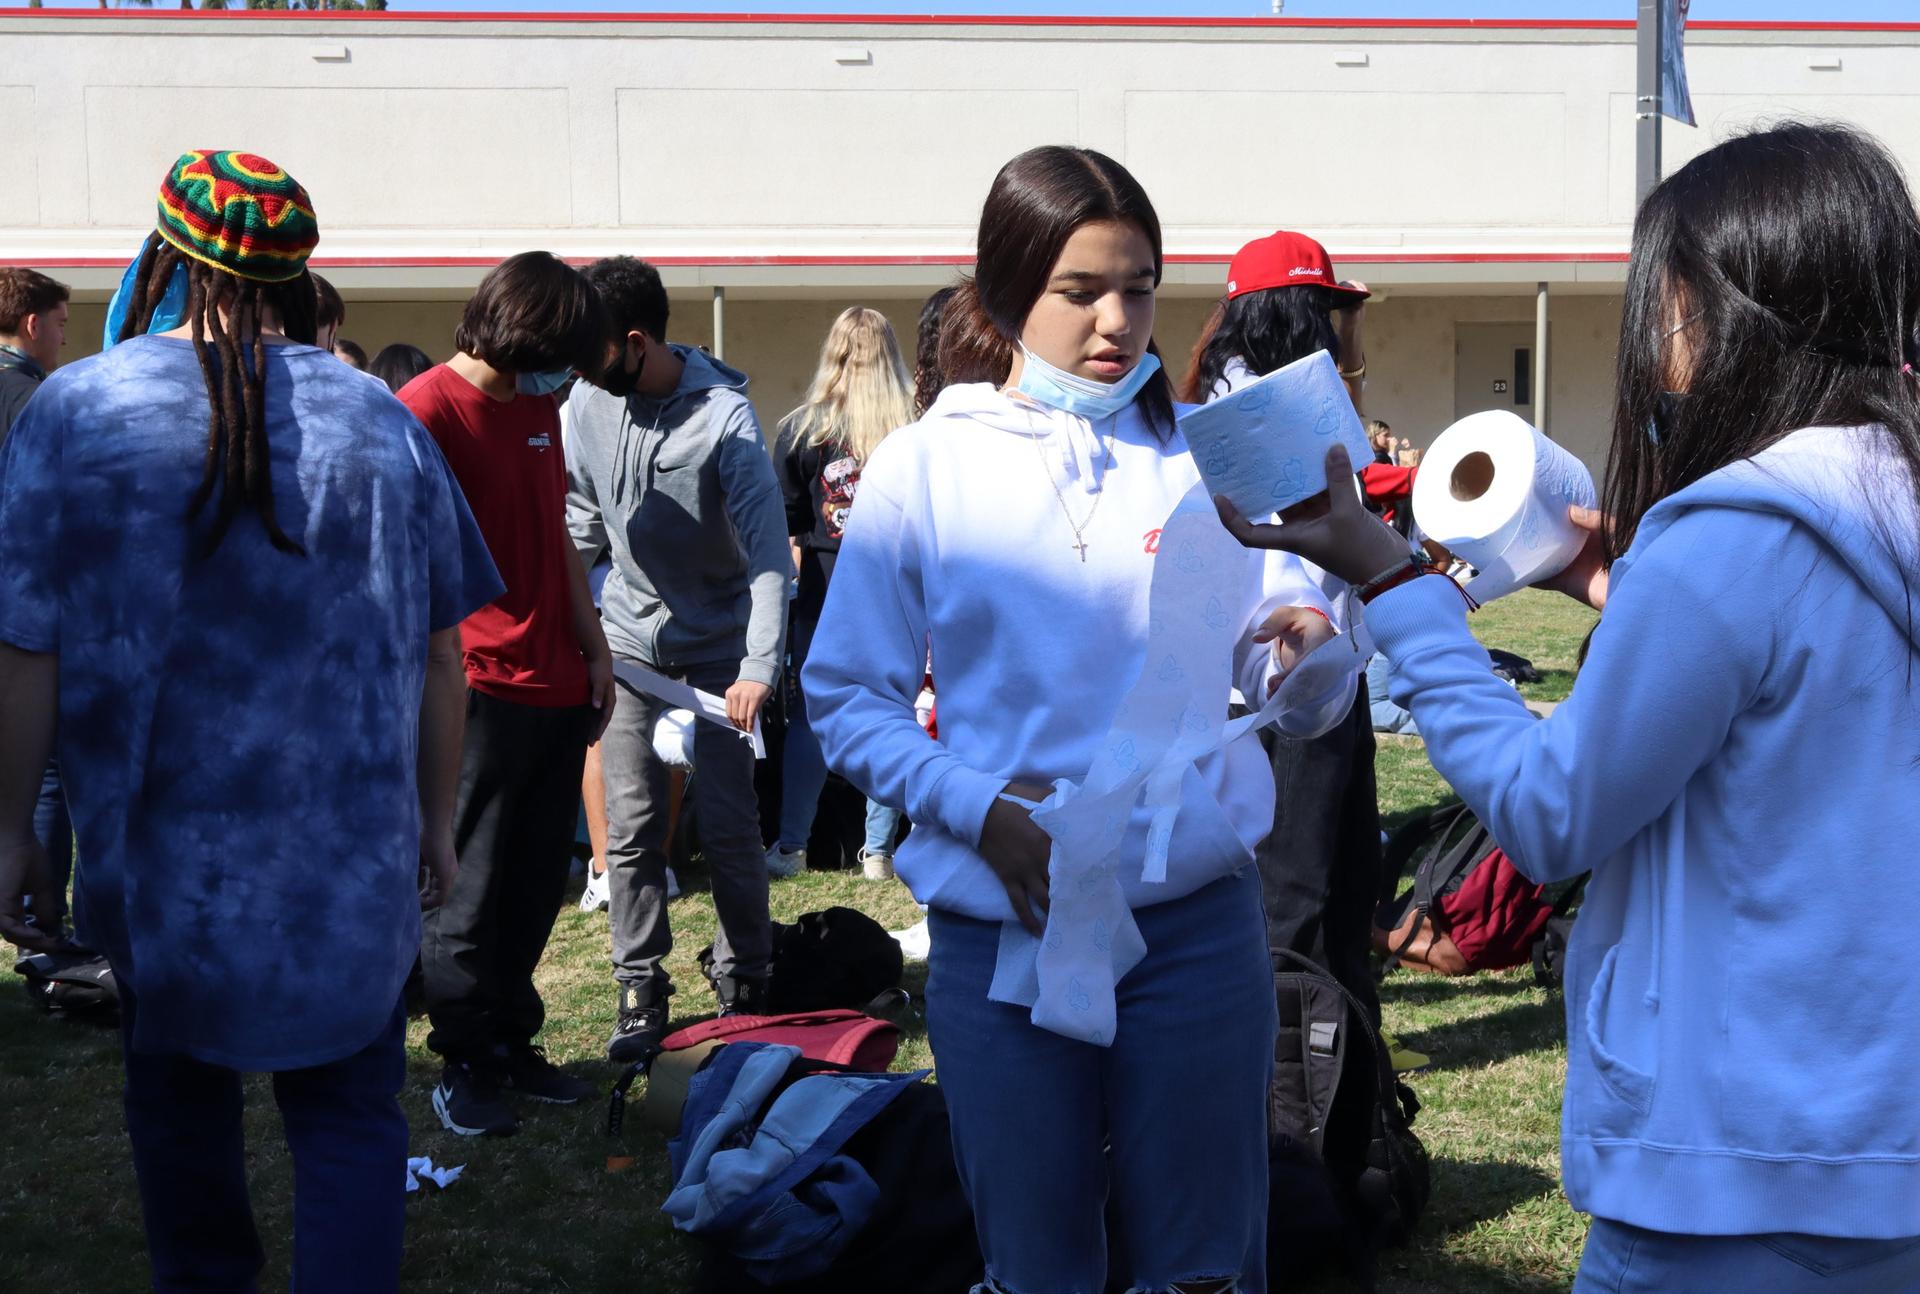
(1283, 303)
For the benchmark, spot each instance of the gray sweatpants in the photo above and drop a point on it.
(728, 816)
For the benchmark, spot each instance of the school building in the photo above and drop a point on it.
(1479, 176)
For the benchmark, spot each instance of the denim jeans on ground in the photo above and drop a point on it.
(349, 1143)
(1622, 1259)
(1181, 1095)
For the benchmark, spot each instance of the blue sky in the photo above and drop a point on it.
(1771, 10)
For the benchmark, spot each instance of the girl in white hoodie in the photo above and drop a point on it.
(1016, 530)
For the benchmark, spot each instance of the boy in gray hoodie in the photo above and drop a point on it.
(671, 477)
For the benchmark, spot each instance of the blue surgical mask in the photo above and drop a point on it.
(541, 383)
(1058, 389)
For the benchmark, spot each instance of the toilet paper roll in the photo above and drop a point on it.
(1496, 492)
(1265, 446)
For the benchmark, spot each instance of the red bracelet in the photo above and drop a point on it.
(1407, 573)
(1317, 611)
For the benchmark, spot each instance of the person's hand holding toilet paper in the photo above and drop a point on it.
(1585, 580)
(1332, 529)
(1335, 531)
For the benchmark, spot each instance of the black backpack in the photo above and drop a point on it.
(837, 958)
(1379, 1199)
(71, 982)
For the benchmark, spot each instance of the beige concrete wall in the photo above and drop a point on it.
(775, 138)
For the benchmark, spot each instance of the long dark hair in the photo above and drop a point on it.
(238, 458)
(398, 364)
(926, 349)
(1790, 259)
(1036, 202)
(1264, 330)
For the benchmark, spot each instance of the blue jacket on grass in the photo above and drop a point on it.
(1739, 765)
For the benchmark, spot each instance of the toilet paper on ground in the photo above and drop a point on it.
(422, 1168)
(1495, 491)
(1265, 445)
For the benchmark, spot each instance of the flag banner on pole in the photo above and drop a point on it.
(1675, 101)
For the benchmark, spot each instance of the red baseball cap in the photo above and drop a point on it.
(1283, 259)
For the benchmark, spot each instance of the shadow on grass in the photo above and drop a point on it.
(1392, 822)
(1513, 1030)
(1410, 988)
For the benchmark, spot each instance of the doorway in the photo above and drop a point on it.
(1493, 368)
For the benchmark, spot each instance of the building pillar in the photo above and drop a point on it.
(719, 323)
(1540, 368)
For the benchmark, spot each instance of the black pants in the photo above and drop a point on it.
(513, 827)
(1320, 869)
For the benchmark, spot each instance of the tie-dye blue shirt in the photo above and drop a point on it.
(239, 731)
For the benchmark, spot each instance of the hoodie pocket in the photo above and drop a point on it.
(1628, 1083)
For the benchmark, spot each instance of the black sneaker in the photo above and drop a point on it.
(740, 996)
(528, 1072)
(642, 1023)
(468, 1102)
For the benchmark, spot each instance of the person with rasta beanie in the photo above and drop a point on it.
(232, 569)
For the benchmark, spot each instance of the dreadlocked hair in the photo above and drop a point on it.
(234, 363)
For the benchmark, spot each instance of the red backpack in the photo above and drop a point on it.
(838, 1036)
(1469, 909)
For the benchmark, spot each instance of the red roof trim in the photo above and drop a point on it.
(959, 20)
(736, 262)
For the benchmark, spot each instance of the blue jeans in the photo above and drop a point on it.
(803, 776)
(1387, 717)
(53, 828)
(349, 1142)
(1622, 1259)
(882, 824)
(1181, 1096)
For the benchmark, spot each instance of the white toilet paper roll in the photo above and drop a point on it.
(1496, 492)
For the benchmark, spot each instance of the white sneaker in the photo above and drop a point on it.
(876, 867)
(784, 862)
(673, 885)
(594, 897)
(915, 941)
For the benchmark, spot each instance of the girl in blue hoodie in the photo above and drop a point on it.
(1739, 763)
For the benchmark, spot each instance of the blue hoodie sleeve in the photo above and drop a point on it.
(867, 661)
(1684, 647)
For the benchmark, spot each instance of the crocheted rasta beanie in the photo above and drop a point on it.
(240, 213)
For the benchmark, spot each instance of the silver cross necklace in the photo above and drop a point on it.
(1079, 528)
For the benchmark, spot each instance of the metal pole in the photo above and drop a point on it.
(719, 323)
(1540, 358)
(1646, 103)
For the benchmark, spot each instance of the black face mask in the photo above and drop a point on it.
(1666, 412)
(617, 380)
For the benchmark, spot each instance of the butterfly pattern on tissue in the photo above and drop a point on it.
(1265, 445)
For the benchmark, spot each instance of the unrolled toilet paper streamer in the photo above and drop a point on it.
(1265, 445)
(1496, 492)
(1173, 715)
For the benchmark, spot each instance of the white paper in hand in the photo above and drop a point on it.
(1265, 446)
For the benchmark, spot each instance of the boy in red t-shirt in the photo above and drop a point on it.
(539, 680)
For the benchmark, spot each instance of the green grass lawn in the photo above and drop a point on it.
(540, 1211)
